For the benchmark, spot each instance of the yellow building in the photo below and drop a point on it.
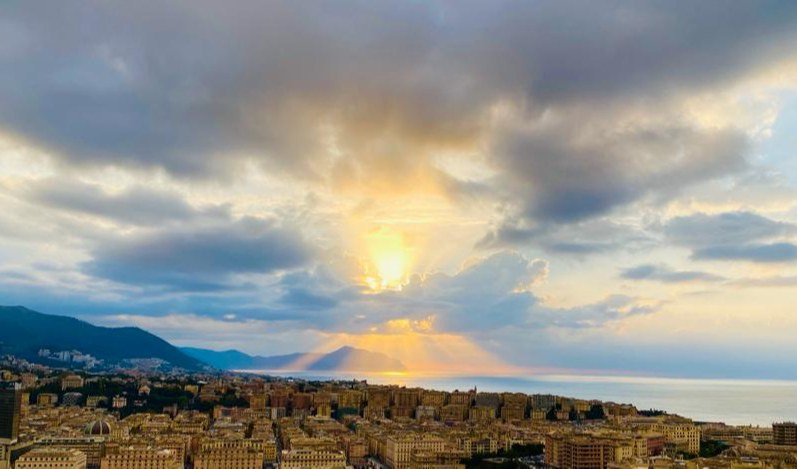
(350, 398)
(46, 399)
(323, 410)
(91, 446)
(308, 458)
(140, 457)
(225, 458)
(453, 413)
(433, 460)
(460, 397)
(399, 448)
(684, 435)
(433, 398)
(258, 401)
(52, 458)
(482, 413)
(71, 382)
(512, 412)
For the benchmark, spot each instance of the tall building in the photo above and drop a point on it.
(10, 410)
(784, 433)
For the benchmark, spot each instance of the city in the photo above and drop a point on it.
(398, 234)
(55, 418)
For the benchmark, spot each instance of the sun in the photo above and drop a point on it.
(389, 259)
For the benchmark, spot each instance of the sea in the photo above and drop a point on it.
(735, 402)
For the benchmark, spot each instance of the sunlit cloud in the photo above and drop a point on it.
(431, 180)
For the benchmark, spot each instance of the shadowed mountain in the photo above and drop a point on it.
(342, 359)
(23, 332)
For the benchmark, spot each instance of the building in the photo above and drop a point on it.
(511, 412)
(99, 427)
(71, 382)
(140, 457)
(453, 413)
(432, 460)
(71, 399)
(482, 413)
(350, 399)
(433, 398)
(52, 458)
(680, 434)
(258, 401)
(28, 380)
(96, 401)
(426, 412)
(230, 457)
(47, 399)
(91, 446)
(400, 448)
(119, 402)
(784, 433)
(577, 452)
(316, 459)
(10, 412)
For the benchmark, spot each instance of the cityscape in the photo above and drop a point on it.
(398, 234)
(133, 419)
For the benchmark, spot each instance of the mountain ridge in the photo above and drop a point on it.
(23, 332)
(345, 358)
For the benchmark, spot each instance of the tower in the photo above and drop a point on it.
(10, 409)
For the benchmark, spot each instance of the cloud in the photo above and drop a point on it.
(566, 169)
(486, 294)
(702, 229)
(612, 308)
(729, 236)
(133, 205)
(775, 281)
(201, 258)
(665, 274)
(368, 93)
(775, 252)
(582, 238)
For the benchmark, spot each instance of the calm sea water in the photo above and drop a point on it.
(737, 402)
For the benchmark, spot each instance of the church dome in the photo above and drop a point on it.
(98, 428)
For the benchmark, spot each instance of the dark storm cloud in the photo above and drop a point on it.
(196, 86)
(202, 258)
(665, 274)
(136, 205)
(565, 174)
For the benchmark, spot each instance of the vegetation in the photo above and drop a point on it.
(652, 412)
(711, 448)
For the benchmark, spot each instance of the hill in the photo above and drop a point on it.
(342, 359)
(23, 332)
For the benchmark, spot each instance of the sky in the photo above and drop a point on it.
(512, 187)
